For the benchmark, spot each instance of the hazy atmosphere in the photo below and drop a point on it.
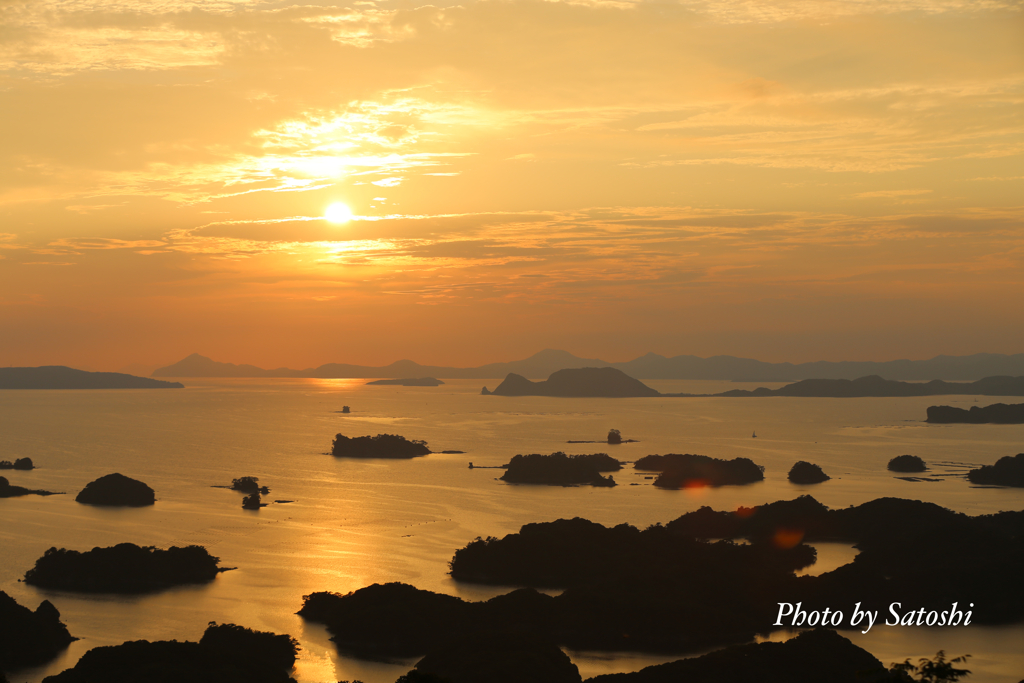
(294, 184)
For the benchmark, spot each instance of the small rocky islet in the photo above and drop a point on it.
(807, 473)
(907, 463)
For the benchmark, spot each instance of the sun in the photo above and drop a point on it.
(338, 213)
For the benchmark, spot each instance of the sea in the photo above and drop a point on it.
(336, 524)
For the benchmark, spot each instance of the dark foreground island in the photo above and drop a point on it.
(124, 568)
(61, 377)
(227, 653)
(668, 588)
(812, 657)
(997, 413)
(380, 446)
(559, 469)
(29, 638)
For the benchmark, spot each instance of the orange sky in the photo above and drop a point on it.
(780, 179)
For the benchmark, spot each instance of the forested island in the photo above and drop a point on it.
(61, 377)
(682, 470)
(29, 638)
(380, 446)
(227, 653)
(997, 413)
(1008, 471)
(18, 464)
(117, 490)
(907, 463)
(124, 568)
(668, 588)
(559, 469)
(421, 382)
(807, 473)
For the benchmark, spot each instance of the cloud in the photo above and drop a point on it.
(892, 193)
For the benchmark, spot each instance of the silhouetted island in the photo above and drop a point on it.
(30, 638)
(252, 501)
(811, 657)
(421, 382)
(997, 413)
(380, 446)
(60, 377)
(19, 464)
(907, 463)
(123, 568)
(807, 473)
(118, 490)
(578, 382)
(7, 490)
(683, 470)
(875, 386)
(559, 469)
(249, 485)
(1008, 471)
(625, 589)
(227, 653)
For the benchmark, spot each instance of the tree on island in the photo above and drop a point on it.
(249, 485)
(614, 436)
(937, 670)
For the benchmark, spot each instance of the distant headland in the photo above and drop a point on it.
(577, 382)
(875, 386)
(61, 377)
(997, 413)
(407, 382)
(649, 366)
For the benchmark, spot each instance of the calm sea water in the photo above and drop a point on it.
(353, 523)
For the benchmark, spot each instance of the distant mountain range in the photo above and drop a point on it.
(611, 382)
(650, 366)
